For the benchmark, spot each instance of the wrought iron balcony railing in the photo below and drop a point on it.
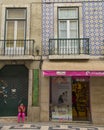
(75, 46)
(16, 47)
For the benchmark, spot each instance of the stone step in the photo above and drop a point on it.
(9, 119)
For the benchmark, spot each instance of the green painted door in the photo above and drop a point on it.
(13, 89)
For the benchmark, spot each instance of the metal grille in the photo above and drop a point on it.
(13, 89)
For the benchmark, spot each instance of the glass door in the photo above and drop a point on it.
(60, 99)
(80, 99)
(15, 36)
(68, 31)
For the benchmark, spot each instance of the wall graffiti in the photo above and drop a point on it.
(3, 91)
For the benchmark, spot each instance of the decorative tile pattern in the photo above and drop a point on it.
(49, 127)
(26, 126)
(93, 27)
(47, 25)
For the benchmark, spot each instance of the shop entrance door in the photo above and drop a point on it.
(13, 89)
(80, 99)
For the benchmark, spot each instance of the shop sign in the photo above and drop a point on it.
(72, 73)
(96, 73)
(60, 73)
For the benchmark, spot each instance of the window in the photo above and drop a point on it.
(68, 22)
(68, 29)
(15, 29)
(15, 24)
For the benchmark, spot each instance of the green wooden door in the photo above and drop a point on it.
(13, 89)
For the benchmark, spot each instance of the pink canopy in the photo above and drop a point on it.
(72, 73)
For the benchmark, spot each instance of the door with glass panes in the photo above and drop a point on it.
(15, 31)
(68, 30)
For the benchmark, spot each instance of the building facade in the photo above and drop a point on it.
(72, 76)
(52, 60)
(20, 50)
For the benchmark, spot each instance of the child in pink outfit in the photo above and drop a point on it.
(21, 112)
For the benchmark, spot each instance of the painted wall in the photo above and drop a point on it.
(96, 98)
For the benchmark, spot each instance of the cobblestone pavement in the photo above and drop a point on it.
(49, 127)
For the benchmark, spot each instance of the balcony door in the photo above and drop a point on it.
(15, 31)
(68, 30)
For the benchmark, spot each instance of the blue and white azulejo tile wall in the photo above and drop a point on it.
(92, 20)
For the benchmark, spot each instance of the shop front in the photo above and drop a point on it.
(72, 91)
(70, 94)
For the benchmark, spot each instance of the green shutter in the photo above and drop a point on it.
(35, 88)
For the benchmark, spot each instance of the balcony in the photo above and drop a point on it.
(77, 48)
(17, 49)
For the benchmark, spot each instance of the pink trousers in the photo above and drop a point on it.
(21, 115)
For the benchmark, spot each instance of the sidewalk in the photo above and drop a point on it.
(49, 126)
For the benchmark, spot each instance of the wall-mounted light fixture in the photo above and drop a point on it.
(37, 50)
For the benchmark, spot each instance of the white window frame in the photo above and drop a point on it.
(68, 5)
(68, 26)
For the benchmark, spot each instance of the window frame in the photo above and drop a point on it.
(60, 5)
(15, 20)
(68, 20)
